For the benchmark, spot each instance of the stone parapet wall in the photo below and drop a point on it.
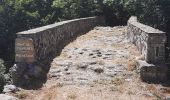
(149, 41)
(47, 39)
(36, 48)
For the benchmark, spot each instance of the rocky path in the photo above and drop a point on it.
(99, 65)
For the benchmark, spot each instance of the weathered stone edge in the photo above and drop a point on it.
(133, 20)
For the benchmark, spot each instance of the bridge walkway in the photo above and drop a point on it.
(99, 65)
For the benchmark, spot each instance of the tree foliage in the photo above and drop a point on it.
(20, 15)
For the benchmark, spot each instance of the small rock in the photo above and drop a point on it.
(94, 57)
(91, 54)
(108, 54)
(60, 84)
(96, 50)
(128, 80)
(148, 94)
(165, 90)
(111, 73)
(55, 71)
(69, 83)
(63, 63)
(99, 70)
(66, 68)
(110, 67)
(82, 66)
(99, 55)
(68, 73)
(71, 79)
(118, 70)
(10, 88)
(84, 49)
(93, 63)
(75, 48)
(82, 78)
(105, 57)
(56, 75)
(81, 53)
(7, 97)
(82, 82)
(69, 56)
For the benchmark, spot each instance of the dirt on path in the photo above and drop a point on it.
(99, 65)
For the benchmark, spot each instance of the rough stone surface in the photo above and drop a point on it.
(7, 97)
(150, 41)
(10, 88)
(104, 59)
(72, 75)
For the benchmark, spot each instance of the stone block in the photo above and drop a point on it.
(156, 53)
(159, 38)
(152, 73)
(24, 50)
(149, 41)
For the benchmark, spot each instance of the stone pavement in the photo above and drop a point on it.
(102, 54)
(99, 65)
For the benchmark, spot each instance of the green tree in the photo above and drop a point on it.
(20, 15)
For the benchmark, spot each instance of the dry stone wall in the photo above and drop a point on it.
(151, 44)
(150, 41)
(35, 48)
(47, 39)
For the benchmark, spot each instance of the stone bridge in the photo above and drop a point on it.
(36, 48)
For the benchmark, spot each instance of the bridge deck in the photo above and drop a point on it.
(99, 65)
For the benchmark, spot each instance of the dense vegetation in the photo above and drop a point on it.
(19, 15)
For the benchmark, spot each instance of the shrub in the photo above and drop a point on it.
(2, 72)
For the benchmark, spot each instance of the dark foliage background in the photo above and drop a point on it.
(20, 15)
